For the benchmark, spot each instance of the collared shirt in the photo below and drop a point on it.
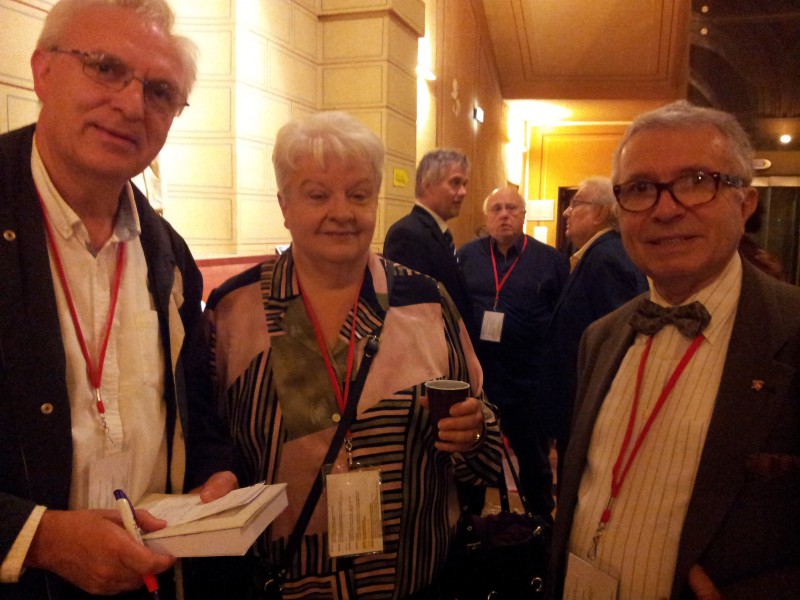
(640, 544)
(527, 299)
(439, 220)
(576, 256)
(133, 378)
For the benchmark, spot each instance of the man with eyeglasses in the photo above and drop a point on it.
(602, 278)
(514, 282)
(98, 389)
(682, 474)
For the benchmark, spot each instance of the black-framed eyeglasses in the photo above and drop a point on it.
(692, 189)
(109, 71)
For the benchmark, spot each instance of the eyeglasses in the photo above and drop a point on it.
(692, 189)
(110, 72)
(511, 209)
(574, 203)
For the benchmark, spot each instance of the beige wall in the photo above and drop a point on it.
(466, 76)
(261, 63)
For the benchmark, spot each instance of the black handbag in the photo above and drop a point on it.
(499, 557)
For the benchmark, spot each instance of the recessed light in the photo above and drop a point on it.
(785, 138)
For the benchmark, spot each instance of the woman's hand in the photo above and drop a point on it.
(463, 430)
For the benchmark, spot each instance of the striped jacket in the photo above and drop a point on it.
(273, 390)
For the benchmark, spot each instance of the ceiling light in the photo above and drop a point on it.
(785, 138)
(538, 113)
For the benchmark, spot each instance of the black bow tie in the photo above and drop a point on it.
(690, 319)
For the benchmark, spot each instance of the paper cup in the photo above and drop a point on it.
(442, 394)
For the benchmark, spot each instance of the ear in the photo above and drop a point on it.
(749, 202)
(282, 204)
(602, 214)
(40, 67)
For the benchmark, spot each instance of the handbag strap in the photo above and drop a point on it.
(503, 488)
(293, 545)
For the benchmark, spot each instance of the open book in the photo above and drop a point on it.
(226, 527)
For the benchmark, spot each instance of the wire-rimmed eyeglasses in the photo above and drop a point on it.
(111, 72)
(692, 189)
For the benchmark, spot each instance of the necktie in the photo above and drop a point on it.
(690, 319)
(448, 237)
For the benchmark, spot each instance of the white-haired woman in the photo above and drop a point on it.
(288, 340)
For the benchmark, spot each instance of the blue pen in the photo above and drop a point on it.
(125, 510)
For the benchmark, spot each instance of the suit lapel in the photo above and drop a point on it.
(430, 223)
(742, 417)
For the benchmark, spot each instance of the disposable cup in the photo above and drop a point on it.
(442, 394)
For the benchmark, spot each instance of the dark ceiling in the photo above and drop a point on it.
(745, 59)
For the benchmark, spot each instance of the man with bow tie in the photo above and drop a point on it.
(682, 477)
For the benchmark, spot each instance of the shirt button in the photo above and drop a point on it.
(336, 417)
(46, 408)
(9, 235)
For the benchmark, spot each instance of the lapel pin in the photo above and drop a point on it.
(757, 385)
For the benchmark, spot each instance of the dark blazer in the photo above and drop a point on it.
(744, 515)
(36, 443)
(602, 280)
(417, 242)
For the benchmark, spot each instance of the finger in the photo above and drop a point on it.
(148, 522)
(470, 406)
(218, 485)
(701, 584)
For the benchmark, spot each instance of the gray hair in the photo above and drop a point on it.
(683, 115)
(156, 12)
(601, 193)
(323, 136)
(432, 167)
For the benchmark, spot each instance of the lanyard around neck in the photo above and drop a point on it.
(621, 467)
(498, 284)
(95, 372)
(341, 394)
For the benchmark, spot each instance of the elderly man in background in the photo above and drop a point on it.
(602, 278)
(97, 388)
(514, 282)
(682, 473)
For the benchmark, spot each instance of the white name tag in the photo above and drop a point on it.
(586, 581)
(492, 326)
(355, 525)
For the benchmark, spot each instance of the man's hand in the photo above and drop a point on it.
(217, 486)
(701, 584)
(91, 549)
(462, 430)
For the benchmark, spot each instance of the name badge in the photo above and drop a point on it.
(584, 580)
(492, 326)
(355, 524)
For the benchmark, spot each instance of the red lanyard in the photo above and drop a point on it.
(341, 396)
(620, 471)
(95, 374)
(498, 285)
